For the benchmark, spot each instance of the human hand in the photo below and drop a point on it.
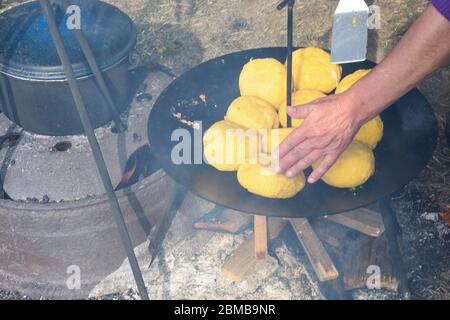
(329, 125)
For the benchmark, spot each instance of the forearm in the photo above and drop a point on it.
(423, 49)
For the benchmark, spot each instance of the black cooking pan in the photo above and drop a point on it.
(410, 138)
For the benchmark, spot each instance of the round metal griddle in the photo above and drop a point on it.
(410, 137)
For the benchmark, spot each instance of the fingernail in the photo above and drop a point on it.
(276, 168)
(311, 180)
(289, 174)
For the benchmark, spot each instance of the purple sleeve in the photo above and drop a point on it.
(443, 6)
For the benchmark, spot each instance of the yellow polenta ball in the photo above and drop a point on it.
(226, 146)
(265, 79)
(352, 169)
(260, 179)
(372, 132)
(350, 80)
(312, 70)
(253, 113)
(298, 98)
(273, 138)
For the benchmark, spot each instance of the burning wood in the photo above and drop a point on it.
(140, 165)
(127, 176)
(446, 215)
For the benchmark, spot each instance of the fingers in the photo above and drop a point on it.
(298, 153)
(300, 112)
(294, 139)
(326, 164)
(297, 146)
(299, 134)
(304, 163)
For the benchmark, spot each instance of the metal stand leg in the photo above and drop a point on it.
(89, 131)
(290, 32)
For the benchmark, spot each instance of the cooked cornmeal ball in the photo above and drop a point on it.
(265, 79)
(260, 179)
(226, 146)
(253, 113)
(298, 98)
(350, 80)
(352, 169)
(372, 132)
(312, 70)
(273, 138)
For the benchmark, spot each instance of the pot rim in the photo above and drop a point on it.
(81, 68)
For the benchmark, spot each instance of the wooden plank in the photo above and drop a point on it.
(318, 256)
(260, 236)
(364, 220)
(276, 226)
(330, 232)
(361, 256)
(223, 220)
(393, 242)
(243, 258)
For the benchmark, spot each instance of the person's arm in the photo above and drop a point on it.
(331, 122)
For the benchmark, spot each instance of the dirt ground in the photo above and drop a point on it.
(180, 34)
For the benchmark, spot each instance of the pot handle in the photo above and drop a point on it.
(134, 59)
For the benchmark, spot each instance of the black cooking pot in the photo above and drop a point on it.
(34, 91)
